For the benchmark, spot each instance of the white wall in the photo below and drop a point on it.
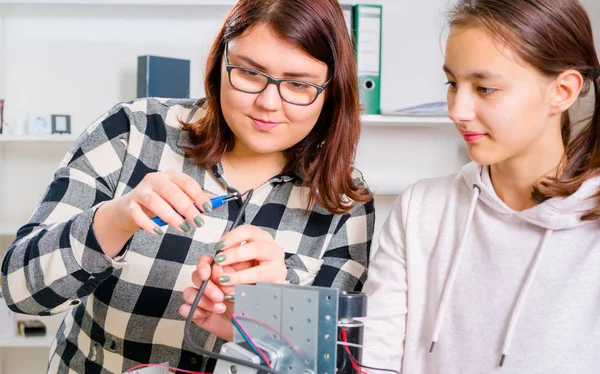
(82, 60)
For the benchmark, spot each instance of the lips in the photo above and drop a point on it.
(263, 125)
(471, 137)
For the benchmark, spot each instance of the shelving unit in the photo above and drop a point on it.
(397, 122)
(28, 342)
(30, 138)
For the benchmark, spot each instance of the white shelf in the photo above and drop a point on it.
(27, 342)
(373, 120)
(369, 120)
(30, 138)
(122, 2)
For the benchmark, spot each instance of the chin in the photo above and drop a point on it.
(262, 147)
(483, 158)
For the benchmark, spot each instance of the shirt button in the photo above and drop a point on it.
(90, 287)
(193, 360)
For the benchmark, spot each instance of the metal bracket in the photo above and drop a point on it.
(297, 325)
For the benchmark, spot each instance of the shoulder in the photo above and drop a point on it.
(431, 196)
(157, 118)
(360, 208)
(358, 178)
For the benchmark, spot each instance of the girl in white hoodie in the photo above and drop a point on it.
(497, 268)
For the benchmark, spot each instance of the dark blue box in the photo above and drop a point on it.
(163, 77)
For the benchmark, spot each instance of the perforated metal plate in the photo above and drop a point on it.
(301, 321)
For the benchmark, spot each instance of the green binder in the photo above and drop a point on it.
(367, 34)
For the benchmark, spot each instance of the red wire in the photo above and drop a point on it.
(164, 367)
(354, 364)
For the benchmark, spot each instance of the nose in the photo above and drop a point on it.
(461, 106)
(269, 99)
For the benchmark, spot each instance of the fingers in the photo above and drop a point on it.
(184, 195)
(203, 267)
(218, 271)
(273, 273)
(212, 289)
(156, 204)
(252, 251)
(205, 303)
(141, 219)
(199, 317)
(244, 234)
(173, 196)
(193, 190)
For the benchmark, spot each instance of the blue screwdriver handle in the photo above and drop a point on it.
(216, 202)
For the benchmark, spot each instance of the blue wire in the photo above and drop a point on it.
(247, 339)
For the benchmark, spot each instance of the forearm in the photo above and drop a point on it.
(47, 269)
(111, 235)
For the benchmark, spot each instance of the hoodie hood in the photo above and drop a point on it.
(558, 213)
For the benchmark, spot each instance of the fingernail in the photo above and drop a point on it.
(224, 279)
(198, 221)
(220, 308)
(229, 297)
(220, 245)
(158, 231)
(216, 296)
(185, 227)
(207, 206)
(220, 258)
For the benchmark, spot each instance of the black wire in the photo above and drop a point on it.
(370, 367)
(352, 358)
(187, 336)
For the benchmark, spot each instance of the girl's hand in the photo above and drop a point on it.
(247, 255)
(253, 254)
(163, 194)
(214, 310)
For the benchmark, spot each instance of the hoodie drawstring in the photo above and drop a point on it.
(522, 296)
(454, 270)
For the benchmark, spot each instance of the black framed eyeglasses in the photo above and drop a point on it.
(253, 81)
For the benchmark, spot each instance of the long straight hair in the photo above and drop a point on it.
(552, 36)
(325, 156)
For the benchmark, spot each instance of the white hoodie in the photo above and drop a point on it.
(458, 267)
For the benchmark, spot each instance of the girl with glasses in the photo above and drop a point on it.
(495, 269)
(280, 117)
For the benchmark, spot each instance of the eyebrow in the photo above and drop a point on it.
(476, 74)
(258, 66)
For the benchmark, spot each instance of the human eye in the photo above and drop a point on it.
(451, 85)
(486, 90)
(300, 85)
(250, 73)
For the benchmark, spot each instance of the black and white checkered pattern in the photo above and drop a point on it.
(124, 311)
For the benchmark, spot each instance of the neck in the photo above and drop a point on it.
(514, 179)
(245, 169)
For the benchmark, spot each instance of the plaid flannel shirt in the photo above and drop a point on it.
(124, 311)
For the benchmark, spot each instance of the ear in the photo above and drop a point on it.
(566, 89)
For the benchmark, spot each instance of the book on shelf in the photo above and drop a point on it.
(433, 109)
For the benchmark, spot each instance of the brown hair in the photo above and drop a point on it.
(325, 156)
(552, 36)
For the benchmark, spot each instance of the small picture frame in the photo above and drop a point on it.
(61, 124)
